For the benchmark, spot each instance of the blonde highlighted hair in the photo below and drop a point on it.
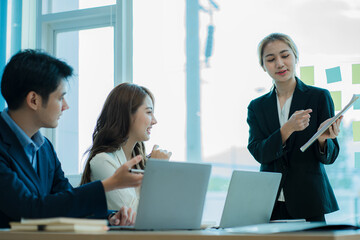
(276, 37)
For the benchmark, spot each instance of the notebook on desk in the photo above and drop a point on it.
(250, 198)
(172, 196)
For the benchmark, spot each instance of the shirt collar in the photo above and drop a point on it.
(36, 140)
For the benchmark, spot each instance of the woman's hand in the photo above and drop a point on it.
(300, 120)
(332, 132)
(160, 153)
(124, 217)
(297, 122)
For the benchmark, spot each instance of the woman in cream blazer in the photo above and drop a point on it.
(124, 124)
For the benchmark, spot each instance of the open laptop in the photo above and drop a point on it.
(250, 198)
(172, 196)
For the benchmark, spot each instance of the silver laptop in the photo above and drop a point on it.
(172, 196)
(250, 198)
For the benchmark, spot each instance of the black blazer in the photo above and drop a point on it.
(306, 186)
(26, 194)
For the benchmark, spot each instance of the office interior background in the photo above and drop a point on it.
(199, 59)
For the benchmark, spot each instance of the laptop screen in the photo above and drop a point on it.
(250, 199)
(172, 195)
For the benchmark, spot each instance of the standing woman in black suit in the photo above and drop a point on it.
(284, 119)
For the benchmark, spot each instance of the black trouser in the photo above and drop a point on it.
(280, 212)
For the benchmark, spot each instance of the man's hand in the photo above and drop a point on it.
(122, 178)
(124, 217)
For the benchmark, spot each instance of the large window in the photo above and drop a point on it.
(91, 53)
(88, 35)
(82, 33)
(327, 36)
(159, 64)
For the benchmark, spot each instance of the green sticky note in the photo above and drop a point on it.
(336, 96)
(357, 159)
(307, 75)
(357, 103)
(356, 73)
(333, 75)
(356, 131)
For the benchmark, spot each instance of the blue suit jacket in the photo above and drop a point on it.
(306, 186)
(26, 194)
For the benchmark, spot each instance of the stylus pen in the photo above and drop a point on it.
(136, 170)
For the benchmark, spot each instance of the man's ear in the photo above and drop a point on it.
(33, 100)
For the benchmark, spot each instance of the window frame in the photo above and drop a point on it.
(119, 15)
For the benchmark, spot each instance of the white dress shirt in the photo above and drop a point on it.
(283, 117)
(104, 165)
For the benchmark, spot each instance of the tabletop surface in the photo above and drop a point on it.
(177, 235)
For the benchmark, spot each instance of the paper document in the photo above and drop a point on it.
(268, 228)
(326, 126)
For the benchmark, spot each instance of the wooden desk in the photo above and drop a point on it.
(179, 235)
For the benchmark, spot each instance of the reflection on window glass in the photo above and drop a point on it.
(55, 6)
(91, 54)
(231, 77)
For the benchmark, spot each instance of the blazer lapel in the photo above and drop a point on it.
(299, 102)
(43, 171)
(271, 112)
(18, 154)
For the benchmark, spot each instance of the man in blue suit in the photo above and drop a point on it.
(32, 183)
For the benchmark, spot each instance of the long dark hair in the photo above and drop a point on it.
(112, 127)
